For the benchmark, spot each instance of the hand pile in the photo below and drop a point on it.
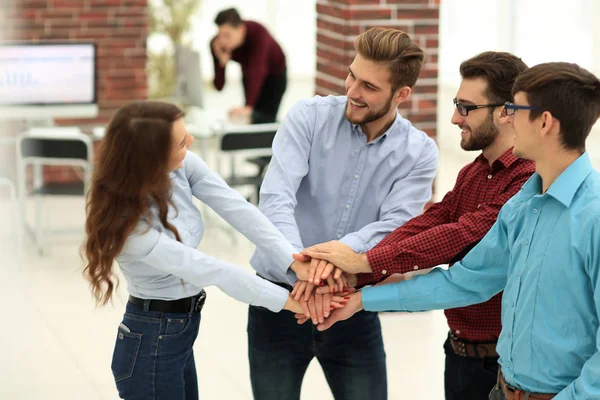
(322, 290)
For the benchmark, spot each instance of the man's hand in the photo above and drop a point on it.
(301, 269)
(339, 255)
(353, 305)
(294, 306)
(220, 52)
(241, 112)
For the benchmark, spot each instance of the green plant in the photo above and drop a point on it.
(171, 18)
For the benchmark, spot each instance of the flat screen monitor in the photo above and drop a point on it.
(53, 80)
(189, 86)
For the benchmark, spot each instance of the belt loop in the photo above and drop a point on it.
(526, 396)
(498, 385)
(147, 305)
(193, 305)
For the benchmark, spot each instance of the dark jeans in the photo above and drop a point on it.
(351, 354)
(269, 99)
(155, 360)
(468, 378)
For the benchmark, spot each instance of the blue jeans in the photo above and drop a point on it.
(351, 354)
(153, 357)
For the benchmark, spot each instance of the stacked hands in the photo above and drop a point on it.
(325, 289)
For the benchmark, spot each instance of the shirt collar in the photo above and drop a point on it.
(505, 159)
(568, 182)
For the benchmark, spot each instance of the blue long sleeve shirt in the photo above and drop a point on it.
(325, 182)
(544, 251)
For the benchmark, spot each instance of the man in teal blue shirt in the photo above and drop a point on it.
(544, 249)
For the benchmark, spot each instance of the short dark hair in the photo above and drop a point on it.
(498, 69)
(570, 93)
(229, 16)
(394, 48)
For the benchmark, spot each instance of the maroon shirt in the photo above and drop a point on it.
(448, 230)
(259, 57)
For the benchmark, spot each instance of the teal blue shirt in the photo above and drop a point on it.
(544, 251)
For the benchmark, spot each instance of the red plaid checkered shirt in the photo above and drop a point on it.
(448, 230)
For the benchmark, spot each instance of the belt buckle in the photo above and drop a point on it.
(200, 302)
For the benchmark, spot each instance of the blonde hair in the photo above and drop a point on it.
(394, 48)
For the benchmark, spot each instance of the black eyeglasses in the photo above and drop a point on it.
(463, 109)
(510, 108)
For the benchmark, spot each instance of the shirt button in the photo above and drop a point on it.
(356, 176)
(526, 242)
(457, 332)
(519, 273)
(489, 176)
(347, 206)
(478, 205)
(535, 210)
(507, 364)
(339, 236)
(416, 267)
(383, 272)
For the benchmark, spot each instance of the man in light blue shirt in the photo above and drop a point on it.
(544, 250)
(348, 168)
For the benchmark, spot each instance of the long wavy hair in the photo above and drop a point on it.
(131, 174)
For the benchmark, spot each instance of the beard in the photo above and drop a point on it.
(481, 137)
(371, 115)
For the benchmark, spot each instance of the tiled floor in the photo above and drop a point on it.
(57, 345)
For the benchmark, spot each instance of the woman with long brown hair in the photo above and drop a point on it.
(140, 214)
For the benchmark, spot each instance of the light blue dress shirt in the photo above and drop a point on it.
(544, 251)
(157, 266)
(325, 182)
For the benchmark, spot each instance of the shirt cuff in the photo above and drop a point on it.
(281, 254)
(381, 261)
(381, 298)
(271, 296)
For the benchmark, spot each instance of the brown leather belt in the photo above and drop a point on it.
(469, 349)
(512, 393)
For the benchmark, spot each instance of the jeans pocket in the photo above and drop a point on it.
(125, 354)
(176, 326)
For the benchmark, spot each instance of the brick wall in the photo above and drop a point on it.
(340, 21)
(118, 27)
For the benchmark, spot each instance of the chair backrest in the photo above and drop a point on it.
(235, 141)
(55, 147)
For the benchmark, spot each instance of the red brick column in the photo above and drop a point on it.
(340, 21)
(118, 27)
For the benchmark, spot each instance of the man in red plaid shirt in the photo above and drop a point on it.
(450, 228)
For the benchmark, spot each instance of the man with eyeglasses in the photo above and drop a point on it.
(542, 251)
(449, 229)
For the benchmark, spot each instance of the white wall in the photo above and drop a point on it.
(535, 30)
(291, 22)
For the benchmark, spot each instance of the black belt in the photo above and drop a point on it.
(188, 304)
(471, 349)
